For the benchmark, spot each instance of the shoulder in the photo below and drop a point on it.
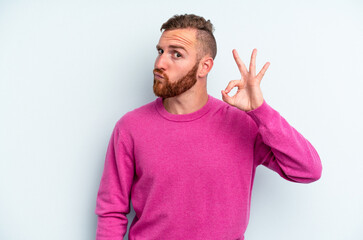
(233, 117)
(136, 116)
(229, 112)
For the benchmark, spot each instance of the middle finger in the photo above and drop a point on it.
(253, 62)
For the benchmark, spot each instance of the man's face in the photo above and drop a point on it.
(176, 67)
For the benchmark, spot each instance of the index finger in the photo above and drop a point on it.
(241, 66)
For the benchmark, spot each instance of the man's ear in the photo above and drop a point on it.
(206, 65)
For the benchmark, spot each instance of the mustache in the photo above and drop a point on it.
(159, 71)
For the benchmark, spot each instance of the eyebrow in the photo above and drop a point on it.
(173, 46)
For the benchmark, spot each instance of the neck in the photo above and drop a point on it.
(190, 101)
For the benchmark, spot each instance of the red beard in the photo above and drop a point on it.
(167, 89)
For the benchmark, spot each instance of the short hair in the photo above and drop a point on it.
(204, 29)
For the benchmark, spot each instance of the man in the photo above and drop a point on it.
(187, 160)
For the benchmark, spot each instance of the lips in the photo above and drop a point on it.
(156, 75)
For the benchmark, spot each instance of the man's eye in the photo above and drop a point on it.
(177, 55)
(160, 51)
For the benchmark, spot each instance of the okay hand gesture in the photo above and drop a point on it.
(249, 94)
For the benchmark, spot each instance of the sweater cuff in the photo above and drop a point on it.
(263, 114)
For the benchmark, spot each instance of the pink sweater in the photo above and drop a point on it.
(190, 176)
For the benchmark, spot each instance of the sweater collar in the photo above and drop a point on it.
(183, 117)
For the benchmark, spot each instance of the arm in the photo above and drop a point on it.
(278, 145)
(283, 149)
(113, 198)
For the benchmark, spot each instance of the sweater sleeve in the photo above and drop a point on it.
(113, 198)
(282, 148)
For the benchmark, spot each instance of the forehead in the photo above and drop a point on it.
(183, 37)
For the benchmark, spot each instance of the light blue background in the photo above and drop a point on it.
(70, 69)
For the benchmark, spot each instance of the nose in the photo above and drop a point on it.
(161, 62)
